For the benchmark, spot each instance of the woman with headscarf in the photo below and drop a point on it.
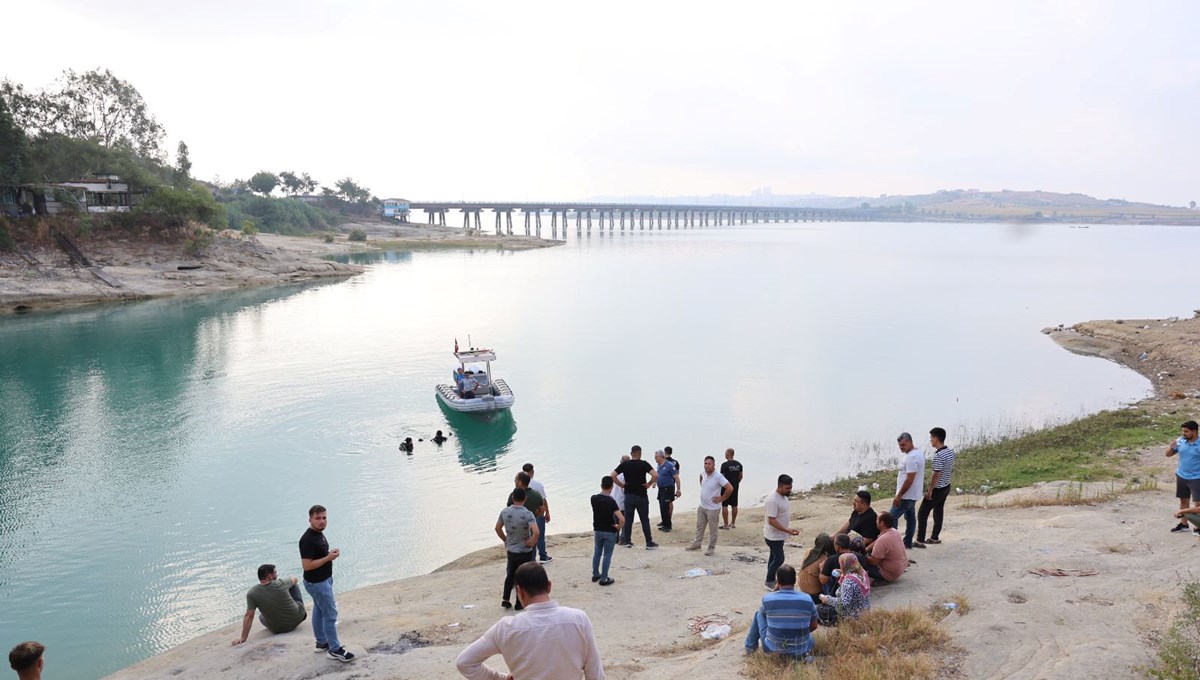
(810, 568)
(853, 595)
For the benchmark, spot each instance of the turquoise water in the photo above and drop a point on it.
(153, 454)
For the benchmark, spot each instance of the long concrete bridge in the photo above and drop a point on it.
(636, 215)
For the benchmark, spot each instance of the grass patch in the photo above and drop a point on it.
(1075, 493)
(1179, 652)
(1014, 456)
(892, 644)
(962, 606)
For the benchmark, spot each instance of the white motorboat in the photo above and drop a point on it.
(489, 394)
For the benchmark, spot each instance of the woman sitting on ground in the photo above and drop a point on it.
(810, 568)
(853, 595)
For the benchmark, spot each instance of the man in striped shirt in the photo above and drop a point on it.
(939, 487)
(786, 619)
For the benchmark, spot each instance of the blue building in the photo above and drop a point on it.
(396, 208)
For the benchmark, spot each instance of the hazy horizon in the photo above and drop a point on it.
(541, 101)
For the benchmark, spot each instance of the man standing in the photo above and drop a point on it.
(468, 385)
(547, 642)
(888, 558)
(777, 514)
(785, 621)
(278, 599)
(26, 659)
(1187, 473)
(517, 528)
(909, 482)
(678, 472)
(939, 487)
(732, 471)
(606, 524)
(714, 489)
(542, 519)
(638, 477)
(619, 487)
(668, 482)
(317, 560)
(862, 518)
(535, 503)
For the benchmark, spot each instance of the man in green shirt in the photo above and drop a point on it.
(280, 605)
(534, 501)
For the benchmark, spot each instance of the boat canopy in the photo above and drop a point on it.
(474, 355)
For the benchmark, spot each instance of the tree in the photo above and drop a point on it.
(183, 165)
(309, 184)
(95, 105)
(13, 147)
(348, 190)
(291, 184)
(263, 182)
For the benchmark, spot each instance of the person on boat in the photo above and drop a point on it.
(407, 445)
(439, 438)
(467, 386)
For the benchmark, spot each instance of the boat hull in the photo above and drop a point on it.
(501, 401)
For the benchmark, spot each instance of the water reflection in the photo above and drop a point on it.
(482, 438)
(375, 257)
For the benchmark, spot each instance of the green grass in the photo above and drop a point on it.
(1085, 450)
(1178, 650)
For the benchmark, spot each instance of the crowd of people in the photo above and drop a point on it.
(832, 583)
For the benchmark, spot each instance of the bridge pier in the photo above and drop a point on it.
(526, 211)
(537, 220)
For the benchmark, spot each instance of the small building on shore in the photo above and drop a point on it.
(396, 208)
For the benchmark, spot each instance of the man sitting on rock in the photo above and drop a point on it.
(279, 602)
(785, 621)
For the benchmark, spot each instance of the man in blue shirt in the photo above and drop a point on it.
(668, 488)
(786, 619)
(1187, 474)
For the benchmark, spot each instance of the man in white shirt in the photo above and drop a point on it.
(618, 492)
(542, 519)
(545, 642)
(776, 516)
(910, 486)
(714, 489)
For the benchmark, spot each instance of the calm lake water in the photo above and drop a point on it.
(153, 454)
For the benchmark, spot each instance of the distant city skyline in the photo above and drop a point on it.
(471, 100)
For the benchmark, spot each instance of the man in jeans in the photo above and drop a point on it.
(910, 481)
(544, 518)
(714, 489)
(517, 527)
(939, 487)
(638, 476)
(606, 524)
(317, 560)
(785, 621)
(776, 516)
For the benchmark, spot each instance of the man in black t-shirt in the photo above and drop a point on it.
(639, 476)
(606, 523)
(317, 560)
(862, 520)
(732, 471)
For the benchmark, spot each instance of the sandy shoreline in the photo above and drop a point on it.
(1022, 624)
(143, 270)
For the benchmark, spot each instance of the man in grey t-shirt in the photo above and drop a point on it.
(517, 527)
(278, 601)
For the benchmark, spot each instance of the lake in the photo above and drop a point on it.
(153, 454)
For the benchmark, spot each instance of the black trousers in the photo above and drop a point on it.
(514, 560)
(666, 494)
(936, 505)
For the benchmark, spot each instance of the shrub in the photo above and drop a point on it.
(277, 215)
(181, 206)
(329, 238)
(358, 235)
(1179, 653)
(248, 228)
(198, 241)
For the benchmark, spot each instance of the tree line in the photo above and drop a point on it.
(91, 123)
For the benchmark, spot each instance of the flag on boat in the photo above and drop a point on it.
(456, 345)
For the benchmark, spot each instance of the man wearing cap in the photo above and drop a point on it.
(668, 482)
(280, 605)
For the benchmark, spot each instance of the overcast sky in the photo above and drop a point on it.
(450, 99)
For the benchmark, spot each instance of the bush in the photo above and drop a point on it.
(248, 228)
(181, 206)
(277, 215)
(329, 238)
(198, 241)
(1179, 653)
(358, 235)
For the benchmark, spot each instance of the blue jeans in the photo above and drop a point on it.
(541, 544)
(908, 508)
(758, 631)
(642, 505)
(775, 560)
(605, 541)
(324, 612)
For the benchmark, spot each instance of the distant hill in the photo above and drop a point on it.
(958, 205)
